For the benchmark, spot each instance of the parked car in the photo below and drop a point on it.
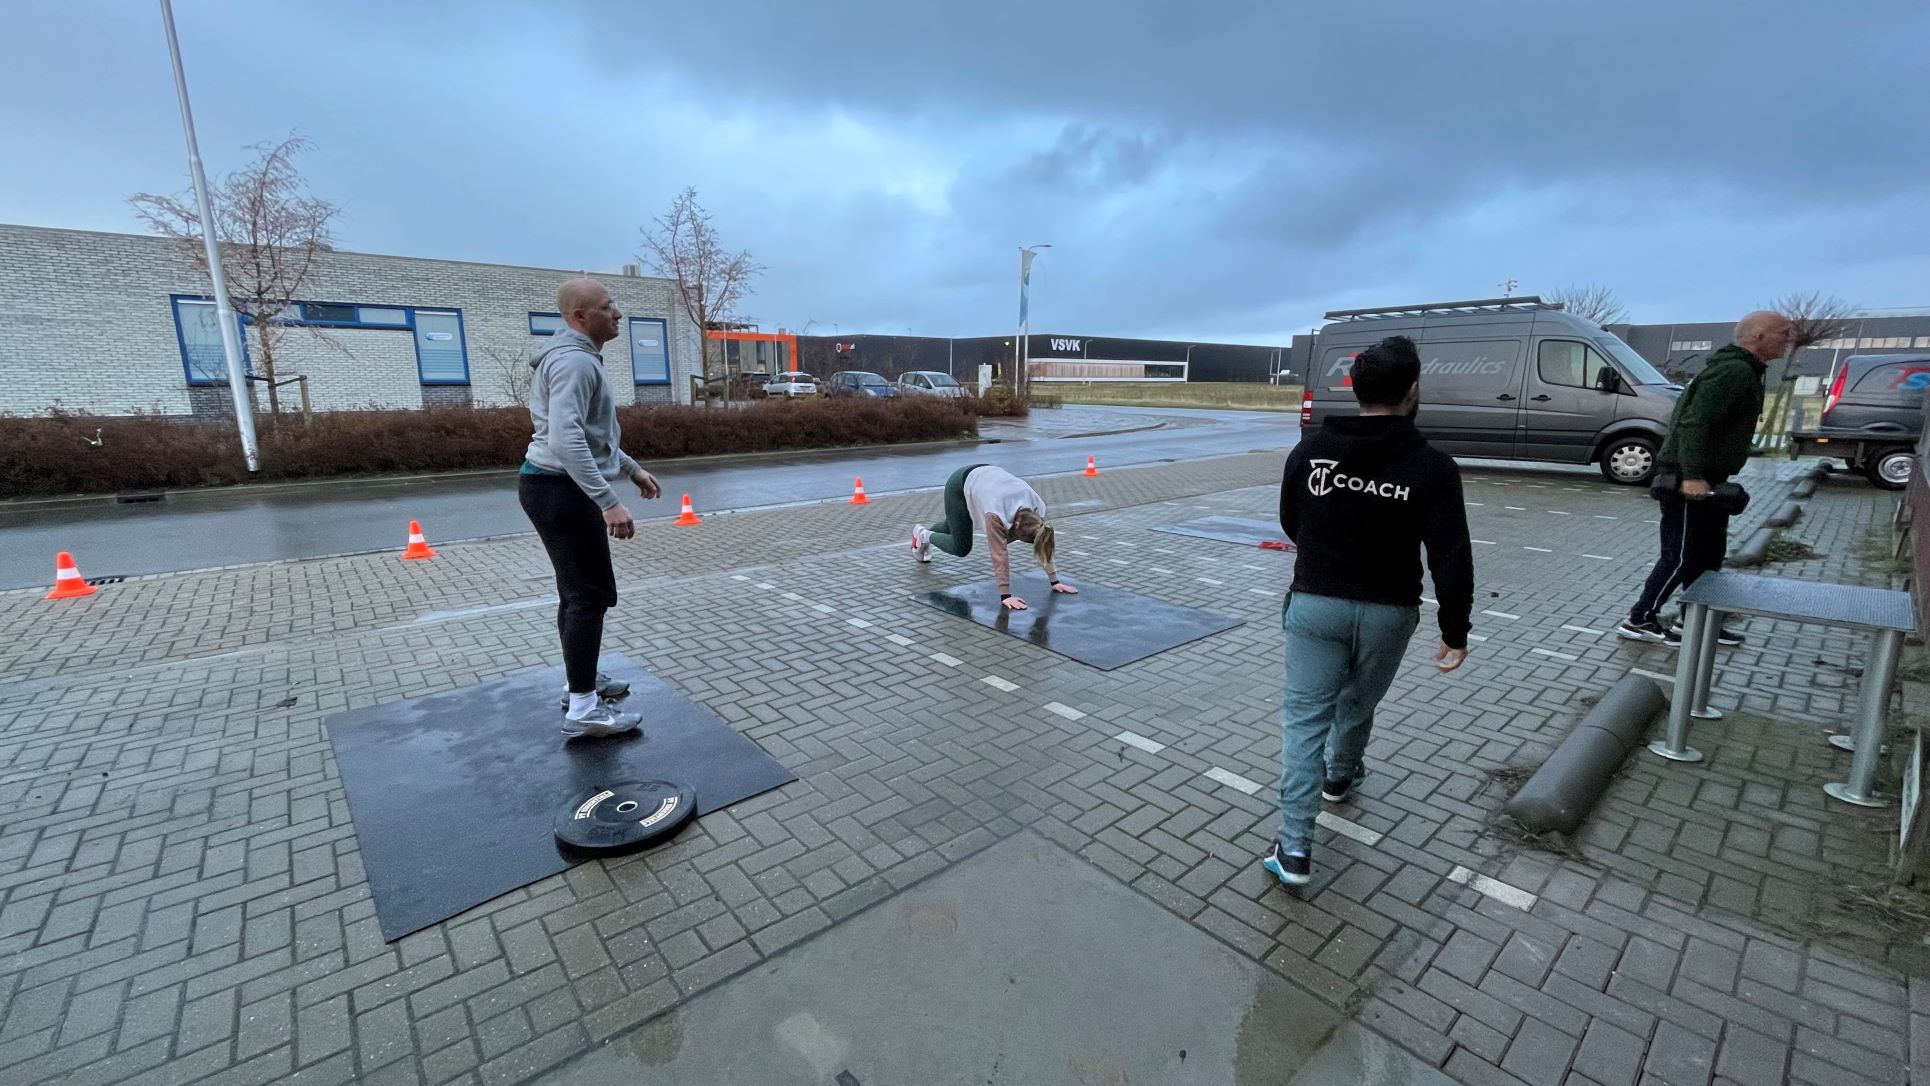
(1871, 418)
(749, 385)
(792, 385)
(1509, 379)
(930, 383)
(860, 383)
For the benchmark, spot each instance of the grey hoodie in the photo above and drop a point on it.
(576, 417)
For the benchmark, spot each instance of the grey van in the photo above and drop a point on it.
(1510, 379)
(1872, 417)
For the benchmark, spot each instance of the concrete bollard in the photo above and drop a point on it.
(1805, 488)
(1565, 788)
(1752, 552)
(1786, 514)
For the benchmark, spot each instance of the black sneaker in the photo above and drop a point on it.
(1337, 789)
(1724, 636)
(1291, 868)
(1651, 631)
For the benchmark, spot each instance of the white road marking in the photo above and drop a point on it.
(997, 683)
(1604, 516)
(1161, 550)
(1474, 503)
(1476, 637)
(859, 623)
(1133, 739)
(1600, 557)
(1431, 601)
(1208, 580)
(1484, 542)
(1656, 675)
(1119, 561)
(1263, 592)
(1500, 614)
(1553, 653)
(900, 640)
(1233, 780)
(1531, 486)
(766, 585)
(738, 577)
(1516, 508)
(793, 596)
(1347, 829)
(1080, 553)
(825, 608)
(947, 660)
(1585, 630)
(1500, 891)
(1162, 572)
(1066, 711)
(1538, 550)
(1560, 513)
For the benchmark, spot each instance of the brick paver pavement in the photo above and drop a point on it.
(181, 898)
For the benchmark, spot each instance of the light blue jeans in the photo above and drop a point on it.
(1341, 658)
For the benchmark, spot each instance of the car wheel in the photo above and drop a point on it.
(1890, 469)
(1629, 460)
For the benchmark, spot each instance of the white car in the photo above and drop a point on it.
(929, 383)
(792, 384)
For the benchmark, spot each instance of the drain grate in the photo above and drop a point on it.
(98, 581)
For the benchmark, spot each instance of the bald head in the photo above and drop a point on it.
(586, 306)
(1764, 333)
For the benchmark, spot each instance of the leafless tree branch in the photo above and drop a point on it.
(1593, 303)
(683, 244)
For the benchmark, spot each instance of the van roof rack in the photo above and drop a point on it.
(1478, 305)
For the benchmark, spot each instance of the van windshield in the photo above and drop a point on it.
(1638, 369)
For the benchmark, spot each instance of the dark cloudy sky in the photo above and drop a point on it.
(1203, 171)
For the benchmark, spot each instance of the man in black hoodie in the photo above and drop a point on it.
(1360, 498)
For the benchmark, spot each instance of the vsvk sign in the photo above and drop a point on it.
(1070, 346)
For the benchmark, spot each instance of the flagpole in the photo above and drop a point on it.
(1022, 377)
(224, 309)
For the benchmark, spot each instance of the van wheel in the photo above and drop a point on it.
(1890, 469)
(1629, 460)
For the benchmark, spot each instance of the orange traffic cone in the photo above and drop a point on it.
(857, 496)
(1092, 466)
(688, 516)
(418, 547)
(67, 581)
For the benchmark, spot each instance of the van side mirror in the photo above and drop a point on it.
(1608, 381)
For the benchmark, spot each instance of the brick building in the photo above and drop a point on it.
(119, 323)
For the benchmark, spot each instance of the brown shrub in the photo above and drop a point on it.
(58, 454)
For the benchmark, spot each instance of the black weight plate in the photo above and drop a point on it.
(624, 816)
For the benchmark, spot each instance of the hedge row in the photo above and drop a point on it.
(81, 454)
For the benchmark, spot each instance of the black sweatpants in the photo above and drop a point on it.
(572, 529)
(1695, 538)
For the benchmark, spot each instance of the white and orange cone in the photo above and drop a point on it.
(857, 494)
(688, 516)
(67, 580)
(418, 546)
(1092, 465)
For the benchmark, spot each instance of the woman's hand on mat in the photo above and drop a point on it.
(1448, 659)
(646, 482)
(617, 520)
(1061, 586)
(1013, 603)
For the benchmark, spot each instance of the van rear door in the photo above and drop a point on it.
(1565, 411)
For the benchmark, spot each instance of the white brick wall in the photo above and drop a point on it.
(85, 325)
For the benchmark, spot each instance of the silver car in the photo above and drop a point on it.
(929, 383)
(791, 385)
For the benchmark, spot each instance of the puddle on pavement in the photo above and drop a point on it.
(1022, 965)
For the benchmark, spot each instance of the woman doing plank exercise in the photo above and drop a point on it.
(988, 497)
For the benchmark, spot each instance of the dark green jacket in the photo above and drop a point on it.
(1715, 419)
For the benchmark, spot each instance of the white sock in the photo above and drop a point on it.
(580, 705)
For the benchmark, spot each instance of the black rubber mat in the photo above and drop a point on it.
(1102, 627)
(1248, 533)
(454, 795)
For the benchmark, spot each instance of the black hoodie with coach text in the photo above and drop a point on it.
(1361, 496)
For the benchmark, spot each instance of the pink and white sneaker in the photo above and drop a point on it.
(921, 542)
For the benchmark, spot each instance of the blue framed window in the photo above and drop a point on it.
(649, 351)
(197, 328)
(442, 355)
(546, 324)
(349, 315)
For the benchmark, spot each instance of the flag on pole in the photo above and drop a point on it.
(1025, 288)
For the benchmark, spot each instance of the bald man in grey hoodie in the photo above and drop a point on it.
(564, 486)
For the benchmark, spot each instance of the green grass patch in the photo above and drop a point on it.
(1236, 395)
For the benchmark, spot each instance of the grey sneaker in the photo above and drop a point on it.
(606, 688)
(604, 720)
(921, 542)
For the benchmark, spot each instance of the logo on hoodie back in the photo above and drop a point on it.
(1323, 480)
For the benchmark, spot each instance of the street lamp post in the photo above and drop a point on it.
(1022, 373)
(224, 309)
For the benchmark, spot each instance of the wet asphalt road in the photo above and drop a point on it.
(222, 528)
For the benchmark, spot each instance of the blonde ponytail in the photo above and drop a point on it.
(1030, 527)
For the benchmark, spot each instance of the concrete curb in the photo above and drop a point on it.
(1785, 515)
(1565, 788)
(1752, 552)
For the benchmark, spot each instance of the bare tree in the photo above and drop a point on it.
(1813, 317)
(509, 370)
(1593, 303)
(682, 244)
(271, 229)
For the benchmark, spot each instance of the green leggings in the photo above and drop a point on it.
(954, 537)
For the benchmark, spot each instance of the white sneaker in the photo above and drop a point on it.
(604, 720)
(921, 542)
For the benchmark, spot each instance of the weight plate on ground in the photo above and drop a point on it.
(625, 815)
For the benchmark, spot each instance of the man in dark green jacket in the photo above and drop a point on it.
(1708, 441)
